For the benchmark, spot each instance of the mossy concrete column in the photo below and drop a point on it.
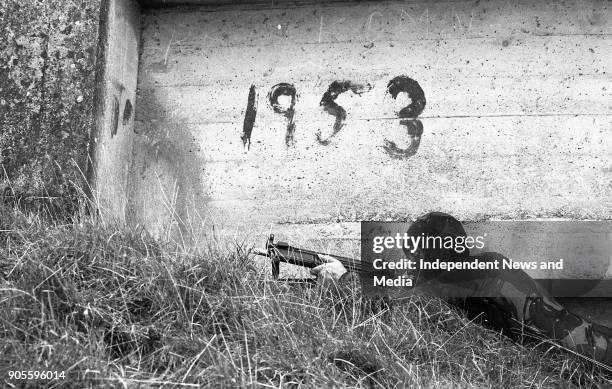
(47, 63)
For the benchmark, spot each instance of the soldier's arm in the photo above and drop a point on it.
(333, 274)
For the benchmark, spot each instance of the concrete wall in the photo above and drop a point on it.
(304, 119)
(47, 59)
(516, 122)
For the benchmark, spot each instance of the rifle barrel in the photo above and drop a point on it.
(350, 264)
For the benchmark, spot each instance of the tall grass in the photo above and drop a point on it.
(112, 307)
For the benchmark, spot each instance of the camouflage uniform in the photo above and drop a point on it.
(519, 307)
(510, 301)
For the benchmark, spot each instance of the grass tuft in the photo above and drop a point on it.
(112, 307)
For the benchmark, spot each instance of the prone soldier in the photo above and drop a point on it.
(509, 301)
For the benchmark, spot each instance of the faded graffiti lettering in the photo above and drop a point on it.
(115, 120)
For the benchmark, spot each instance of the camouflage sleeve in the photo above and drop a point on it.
(516, 304)
(532, 310)
(571, 331)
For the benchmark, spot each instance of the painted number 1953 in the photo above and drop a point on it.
(400, 84)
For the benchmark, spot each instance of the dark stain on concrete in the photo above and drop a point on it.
(115, 122)
(328, 102)
(285, 89)
(127, 112)
(409, 114)
(249, 118)
(165, 184)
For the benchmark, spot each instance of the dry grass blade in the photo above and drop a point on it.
(113, 307)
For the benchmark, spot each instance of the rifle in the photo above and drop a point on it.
(283, 252)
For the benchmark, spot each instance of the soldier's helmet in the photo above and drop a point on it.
(442, 225)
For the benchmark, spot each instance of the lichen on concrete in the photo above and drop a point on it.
(47, 60)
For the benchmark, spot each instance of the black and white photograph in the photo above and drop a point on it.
(306, 194)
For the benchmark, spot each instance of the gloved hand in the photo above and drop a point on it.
(330, 271)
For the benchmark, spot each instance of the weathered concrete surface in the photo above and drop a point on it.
(517, 122)
(47, 59)
(113, 128)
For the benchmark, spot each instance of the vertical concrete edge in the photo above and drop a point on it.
(98, 100)
(110, 138)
